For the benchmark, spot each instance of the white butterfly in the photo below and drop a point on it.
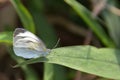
(27, 45)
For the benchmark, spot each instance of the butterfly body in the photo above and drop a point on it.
(27, 45)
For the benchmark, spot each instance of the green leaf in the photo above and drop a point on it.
(91, 22)
(113, 25)
(103, 62)
(24, 15)
(6, 37)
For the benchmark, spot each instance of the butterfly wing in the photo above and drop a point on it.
(27, 45)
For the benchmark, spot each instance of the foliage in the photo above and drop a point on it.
(103, 62)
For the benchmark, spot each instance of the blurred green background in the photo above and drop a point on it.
(85, 22)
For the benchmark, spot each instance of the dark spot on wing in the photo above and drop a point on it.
(22, 37)
(19, 30)
(29, 41)
(19, 37)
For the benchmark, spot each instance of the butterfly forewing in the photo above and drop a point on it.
(27, 45)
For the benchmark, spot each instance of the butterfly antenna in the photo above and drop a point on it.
(56, 43)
